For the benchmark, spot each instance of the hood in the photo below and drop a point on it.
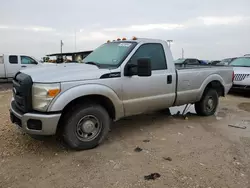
(241, 70)
(64, 72)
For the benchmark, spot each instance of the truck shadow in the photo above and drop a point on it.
(245, 94)
(5, 86)
(148, 122)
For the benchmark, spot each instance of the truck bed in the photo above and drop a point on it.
(192, 79)
(181, 67)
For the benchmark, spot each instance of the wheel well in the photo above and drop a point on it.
(217, 86)
(96, 99)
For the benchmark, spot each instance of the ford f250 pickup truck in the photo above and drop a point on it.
(118, 79)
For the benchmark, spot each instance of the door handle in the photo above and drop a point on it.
(169, 79)
(23, 66)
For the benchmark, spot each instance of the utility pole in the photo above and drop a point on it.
(169, 42)
(75, 40)
(61, 45)
(182, 53)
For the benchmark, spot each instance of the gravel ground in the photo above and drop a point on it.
(193, 152)
(5, 86)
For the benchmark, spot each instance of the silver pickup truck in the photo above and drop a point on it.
(118, 79)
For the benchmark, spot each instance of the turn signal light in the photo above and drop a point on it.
(53, 92)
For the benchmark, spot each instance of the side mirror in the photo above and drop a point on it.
(141, 68)
(144, 67)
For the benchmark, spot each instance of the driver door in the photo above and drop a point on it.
(143, 94)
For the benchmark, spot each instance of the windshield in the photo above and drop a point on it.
(110, 54)
(179, 61)
(241, 62)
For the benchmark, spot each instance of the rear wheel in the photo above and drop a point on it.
(208, 103)
(86, 127)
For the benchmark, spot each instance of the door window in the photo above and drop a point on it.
(152, 51)
(192, 62)
(13, 59)
(27, 60)
(195, 62)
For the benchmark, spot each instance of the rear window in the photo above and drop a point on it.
(1, 59)
(13, 59)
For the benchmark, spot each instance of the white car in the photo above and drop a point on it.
(241, 73)
(11, 64)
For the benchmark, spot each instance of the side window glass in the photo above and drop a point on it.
(196, 62)
(154, 52)
(13, 59)
(187, 61)
(27, 60)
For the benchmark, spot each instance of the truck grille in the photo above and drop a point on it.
(240, 77)
(22, 90)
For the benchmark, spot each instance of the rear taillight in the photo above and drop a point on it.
(233, 76)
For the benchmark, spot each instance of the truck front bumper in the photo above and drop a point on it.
(34, 123)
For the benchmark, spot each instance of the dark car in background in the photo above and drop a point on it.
(225, 62)
(214, 62)
(188, 61)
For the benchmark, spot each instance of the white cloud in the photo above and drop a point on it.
(95, 36)
(146, 27)
(4, 27)
(39, 29)
(28, 28)
(212, 20)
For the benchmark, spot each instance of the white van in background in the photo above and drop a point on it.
(11, 64)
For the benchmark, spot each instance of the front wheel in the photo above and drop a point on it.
(208, 103)
(86, 127)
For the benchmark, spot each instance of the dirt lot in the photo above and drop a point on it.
(203, 152)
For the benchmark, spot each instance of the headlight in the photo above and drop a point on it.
(43, 94)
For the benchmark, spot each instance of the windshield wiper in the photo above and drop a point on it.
(92, 63)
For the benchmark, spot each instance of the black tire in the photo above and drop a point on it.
(73, 133)
(204, 107)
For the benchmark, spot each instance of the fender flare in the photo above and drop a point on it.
(63, 99)
(209, 79)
